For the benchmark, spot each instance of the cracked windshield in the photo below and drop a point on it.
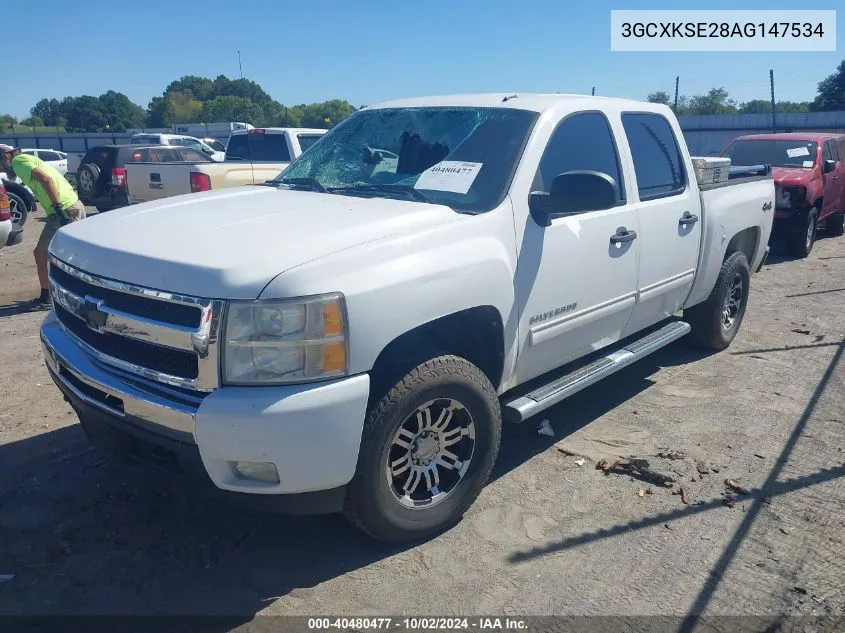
(459, 157)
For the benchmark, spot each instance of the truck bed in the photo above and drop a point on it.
(742, 203)
(154, 181)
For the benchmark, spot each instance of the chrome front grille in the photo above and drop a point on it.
(161, 336)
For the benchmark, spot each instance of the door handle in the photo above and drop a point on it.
(688, 218)
(623, 235)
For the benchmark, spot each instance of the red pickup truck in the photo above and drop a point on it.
(809, 173)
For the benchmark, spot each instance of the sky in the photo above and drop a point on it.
(375, 50)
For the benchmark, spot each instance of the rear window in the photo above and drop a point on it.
(307, 140)
(145, 140)
(258, 147)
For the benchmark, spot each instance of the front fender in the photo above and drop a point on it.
(396, 284)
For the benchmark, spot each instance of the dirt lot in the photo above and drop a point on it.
(547, 536)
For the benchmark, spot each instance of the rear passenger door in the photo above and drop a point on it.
(834, 181)
(668, 209)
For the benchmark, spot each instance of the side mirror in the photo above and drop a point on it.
(829, 166)
(571, 193)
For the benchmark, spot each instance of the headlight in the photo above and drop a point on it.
(291, 340)
(790, 197)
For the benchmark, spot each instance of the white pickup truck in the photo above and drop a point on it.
(343, 341)
(252, 157)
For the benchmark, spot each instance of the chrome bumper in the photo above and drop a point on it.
(155, 407)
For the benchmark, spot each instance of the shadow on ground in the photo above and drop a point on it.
(778, 254)
(21, 307)
(68, 513)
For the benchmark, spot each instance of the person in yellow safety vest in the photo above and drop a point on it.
(56, 196)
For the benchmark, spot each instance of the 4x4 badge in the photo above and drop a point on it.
(767, 206)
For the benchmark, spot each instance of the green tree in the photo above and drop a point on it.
(6, 122)
(793, 106)
(160, 112)
(831, 91)
(761, 106)
(85, 114)
(658, 97)
(229, 108)
(716, 101)
(48, 110)
(756, 106)
(120, 113)
(326, 114)
(289, 116)
(33, 121)
(186, 109)
(201, 88)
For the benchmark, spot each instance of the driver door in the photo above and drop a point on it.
(576, 282)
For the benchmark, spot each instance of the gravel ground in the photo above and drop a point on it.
(549, 534)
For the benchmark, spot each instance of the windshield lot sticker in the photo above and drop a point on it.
(449, 175)
(795, 152)
(807, 163)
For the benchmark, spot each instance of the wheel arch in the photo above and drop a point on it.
(745, 241)
(476, 334)
(23, 193)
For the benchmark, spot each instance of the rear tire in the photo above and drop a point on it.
(836, 224)
(427, 450)
(716, 321)
(800, 243)
(86, 179)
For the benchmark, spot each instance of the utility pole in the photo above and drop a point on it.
(772, 85)
(677, 83)
(241, 68)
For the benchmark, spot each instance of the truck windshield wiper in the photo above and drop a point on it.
(313, 183)
(406, 190)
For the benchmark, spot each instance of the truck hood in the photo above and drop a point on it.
(229, 244)
(789, 176)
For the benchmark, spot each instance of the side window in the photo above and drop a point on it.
(658, 164)
(581, 142)
(841, 145)
(52, 156)
(829, 153)
(307, 140)
(237, 149)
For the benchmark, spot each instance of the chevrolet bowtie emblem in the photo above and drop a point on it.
(94, 317)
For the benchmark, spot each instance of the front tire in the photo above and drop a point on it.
(716, 321)
(836, 224)
(427, 450)
(18, 208)
(800, 243)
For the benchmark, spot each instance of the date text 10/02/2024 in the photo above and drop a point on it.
(417, 624)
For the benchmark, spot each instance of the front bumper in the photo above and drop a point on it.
(790, 220)
(311, 433)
